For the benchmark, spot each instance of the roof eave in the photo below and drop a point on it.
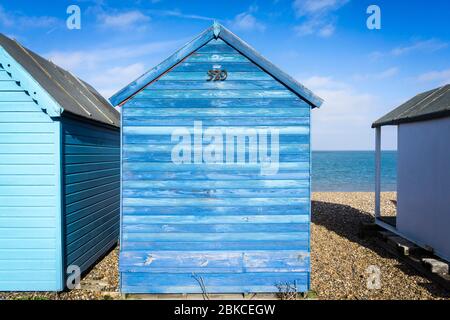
(214, 32)
(36, 92)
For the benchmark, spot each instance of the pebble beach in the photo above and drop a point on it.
(339, 258)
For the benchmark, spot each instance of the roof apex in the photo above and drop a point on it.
(215, 31)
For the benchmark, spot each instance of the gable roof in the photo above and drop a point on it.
(69, 92)
(216, 31)
(425, 106)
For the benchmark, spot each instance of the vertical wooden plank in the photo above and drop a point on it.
(377, 172)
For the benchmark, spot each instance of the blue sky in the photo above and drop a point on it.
(325, 44)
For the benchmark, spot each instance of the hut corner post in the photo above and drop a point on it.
(377, 172)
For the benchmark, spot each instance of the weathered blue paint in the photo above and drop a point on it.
(46, 161)
(226, 225)
(234, 55)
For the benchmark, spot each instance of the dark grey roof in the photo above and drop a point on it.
(72, 94)
(425, 106)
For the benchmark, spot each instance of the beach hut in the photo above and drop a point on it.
(205, 207)
(59, 172)
(423, 178)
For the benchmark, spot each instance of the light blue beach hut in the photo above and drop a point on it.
(199, 214)
(59, 172)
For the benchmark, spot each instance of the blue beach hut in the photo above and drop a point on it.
(204, 208)
(59, 172)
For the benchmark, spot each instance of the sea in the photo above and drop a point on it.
(351, 171)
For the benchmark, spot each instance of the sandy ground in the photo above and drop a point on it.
(340, 259)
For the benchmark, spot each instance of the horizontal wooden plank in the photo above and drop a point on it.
(28, 244)
(30, 201)
(236, 210)
(19, 107)
(25, 212)
(214, 283)
(212, 94)
(222, 102)
(216, 193)
(136, 149)
(28, 159)
(94, 218)
(168, 130)
(216, 57)
(90, 192)
(91, 183)
(25, 264)
(214, 219)
(242, 236)
(70, 208)
(208, 202)
(214, 261)
(216, 121)
(88, 231)
(6, 96)
(216, 85)
(27, 222)
(195, 113)
(16, 169)
(8, 85)
(89, 149)
(215, 228)
(27, 128)
(23, 117)
(90, 210)
(101, 169)
(203, 76)
(25, 138)
(212, 168)
(198, 175)
(297, 244)
(27, 148)
(29, 254)
(91, 158)
(166, 139)
(28, 180)
(8, 190)
(214, 184)
(221, 47)
(26, 233)
(206, 66)
(31, 280)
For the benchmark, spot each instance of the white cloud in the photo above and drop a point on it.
(385, 74)
(110, 68)
(442, 77)
(180, 14)
(109, 81)
(317, 15)
(344, 121)
(315, 7)
(91, 58)
(11, 19)
(124, 20)
(246, 21)
(430, 45)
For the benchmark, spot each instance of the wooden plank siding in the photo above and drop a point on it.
(226, 224)
(91, 191)
(30, 230)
